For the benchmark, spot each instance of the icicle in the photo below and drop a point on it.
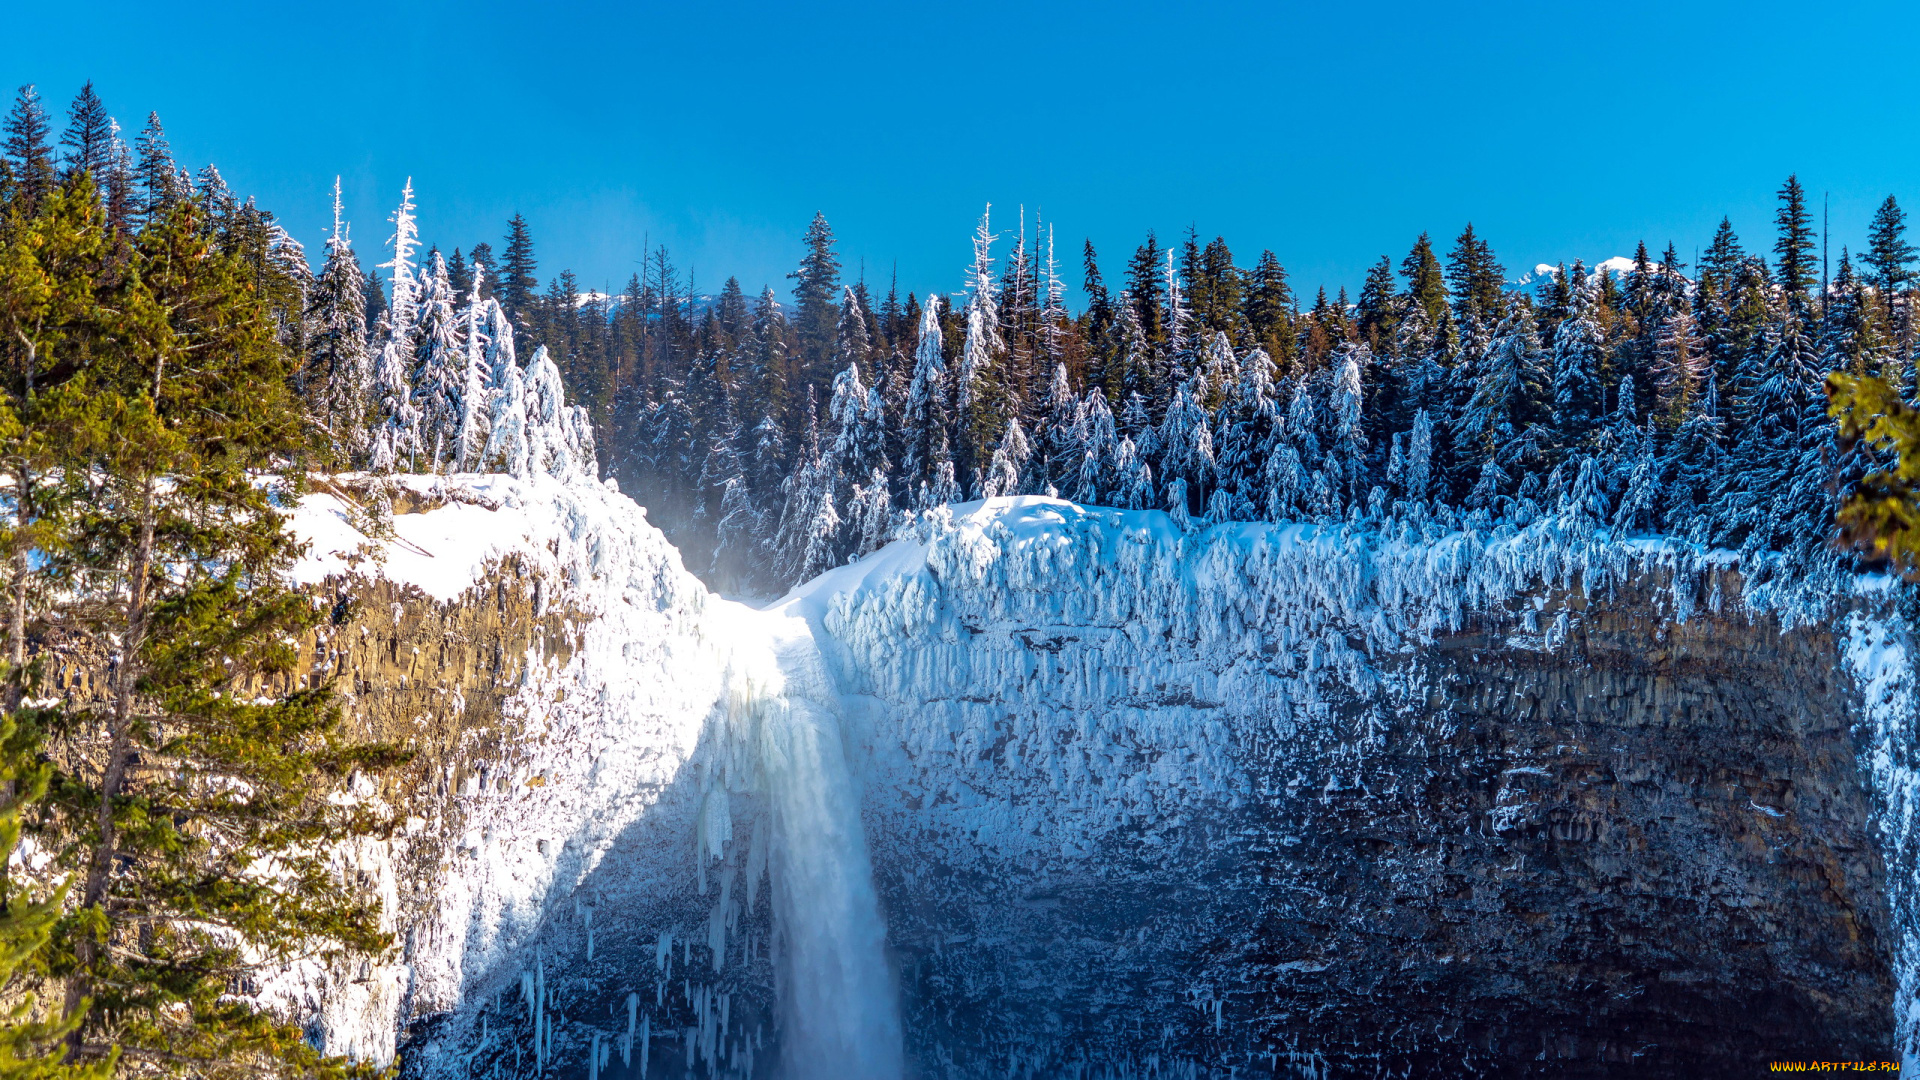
(633, 1015)
(540, 1014)
(593, 1058)
(756, 860)
(588, 915)
(646, 1042)
(717, 920)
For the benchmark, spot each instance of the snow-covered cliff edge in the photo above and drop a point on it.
(1138, 801)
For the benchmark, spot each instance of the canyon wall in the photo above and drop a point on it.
(1252, 801)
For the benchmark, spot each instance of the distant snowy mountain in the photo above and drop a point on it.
(1619, 265)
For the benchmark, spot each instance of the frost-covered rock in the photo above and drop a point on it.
(1125, 799)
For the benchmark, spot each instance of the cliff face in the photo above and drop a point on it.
(1137, 802)
(1278, 833)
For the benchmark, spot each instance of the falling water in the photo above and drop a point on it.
(840, 1019)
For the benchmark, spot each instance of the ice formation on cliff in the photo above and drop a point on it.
(694, 753)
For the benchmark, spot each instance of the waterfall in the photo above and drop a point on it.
(839, 1014)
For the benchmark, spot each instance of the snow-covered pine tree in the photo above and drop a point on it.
(721, 471)
(1416, 483)
(766, 469)
(1695, 467)
(337, 379)
(736, 550)
(1640, 495)
(1009, 462)
(1680, 367)
(1579, 345)
(1509, 391)
(1132, 373)
(1221, 368)
(1094, 483)
(559, 442)
(1853, 335)
(402, 304)
(1056, 323)
(870, 514)
(1063, 436)
(978, 404)
(1244, 431)
(924, 419)
(1297, 477)
(477, 391)
(439, 370)
(1186, 444)
(804, 489)
(1132, 478)
(851, 343)
(855, 416)
(508, 448)
(1347, 452)
(396, 436)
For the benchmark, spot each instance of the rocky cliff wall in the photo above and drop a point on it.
(1143, 803)
(1248, 802)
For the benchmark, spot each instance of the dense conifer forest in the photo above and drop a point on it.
(159, 326)
(776, 433)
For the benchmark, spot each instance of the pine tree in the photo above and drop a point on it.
(477, 389)
(1132, 478)
(1062, 435)
(806, 496)
(1475, 279)
(979, 405)
(90, 137)
(1378, 312)
(1097, 325)
(1185, 441)
(1888, 252)
(1578, 352)
(1721, 261)
(1793, 251)
(816, 283)
(204, 771)
(1009, 462)
(29, 156)
(402, 308)
(508, 448)
(1891, 259)
(559, 436)
(439, 370)
(338, 376)
(1680, 368)
(1244, 432)
(1269, 307)
(1508, 394)
(519, 281)
(1417, 474)
(120, 183)
(924, 419)
(1347, 449)
(1426, 283)
(160, 183)
(1095, 482)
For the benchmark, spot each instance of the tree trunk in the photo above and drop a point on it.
(125, 679)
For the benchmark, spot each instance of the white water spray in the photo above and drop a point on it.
(840, 1019)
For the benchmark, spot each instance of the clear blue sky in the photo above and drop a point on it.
(1332, 133)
